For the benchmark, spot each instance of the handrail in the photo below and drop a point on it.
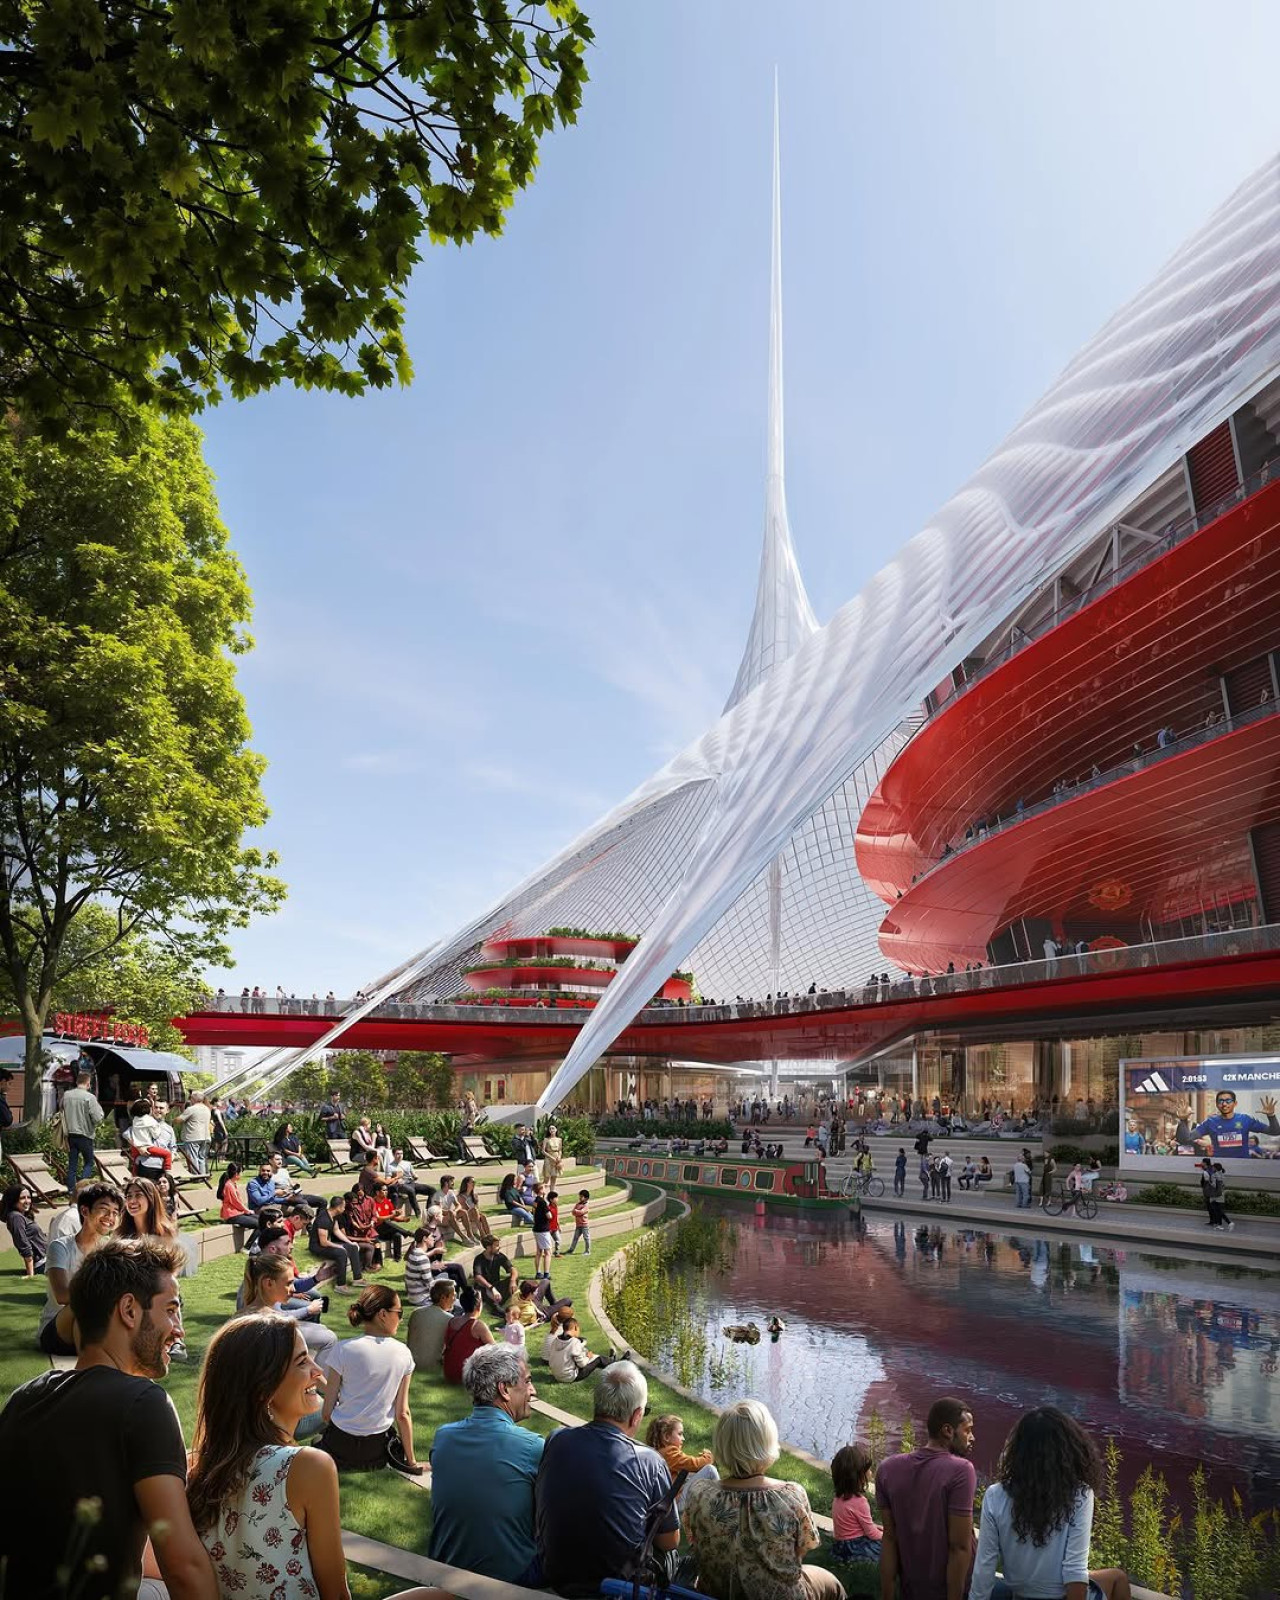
(1082, 786)
(1167, 952)
(1172, 536)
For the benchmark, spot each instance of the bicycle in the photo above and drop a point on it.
(861, 1183)
(1078, 1200)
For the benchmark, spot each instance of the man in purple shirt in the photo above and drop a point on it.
(926, 1503)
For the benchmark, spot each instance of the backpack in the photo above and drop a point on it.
(58, 1132)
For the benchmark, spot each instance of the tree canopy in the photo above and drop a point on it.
(210, 193)
(126, 778)
(135, 977)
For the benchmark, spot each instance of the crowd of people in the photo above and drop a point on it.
(284, 1404)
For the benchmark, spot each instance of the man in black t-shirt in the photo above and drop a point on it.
(493, 1275)
(95, 1456)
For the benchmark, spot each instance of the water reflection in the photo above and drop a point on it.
(1175, 1359)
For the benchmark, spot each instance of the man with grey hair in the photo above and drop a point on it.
(596, 1488)
(195, 1129)
(483, 1471)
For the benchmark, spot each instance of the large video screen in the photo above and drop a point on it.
(1176, 1112)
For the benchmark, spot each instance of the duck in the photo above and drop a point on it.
(776, 1326)
(742, 1333)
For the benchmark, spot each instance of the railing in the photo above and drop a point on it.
(1123, 958)
(1173, 535)
(1073, 791)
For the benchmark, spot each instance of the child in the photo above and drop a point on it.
(581, 1227)
(513, 1328)
(542, 1240)
(525, 1304)
(857, 1537)
(666, 1436)
(568, 1356)
(553, 1206)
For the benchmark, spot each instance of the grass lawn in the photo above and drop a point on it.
(383, 1505)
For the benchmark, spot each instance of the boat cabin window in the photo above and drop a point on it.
(729, 1177)
(691, 1173)
(764, 1178)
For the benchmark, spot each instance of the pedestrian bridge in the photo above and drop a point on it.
(1180, 981)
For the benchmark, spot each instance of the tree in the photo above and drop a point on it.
(422, 1081)
(223, 192)
(360, 1079)
(126, 781)
(135, 978)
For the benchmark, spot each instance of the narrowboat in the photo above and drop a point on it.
(792, 1185)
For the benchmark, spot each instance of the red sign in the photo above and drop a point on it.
(78, 1025)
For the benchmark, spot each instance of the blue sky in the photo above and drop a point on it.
(489, 605)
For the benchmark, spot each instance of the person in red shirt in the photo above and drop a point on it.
(553, 1209)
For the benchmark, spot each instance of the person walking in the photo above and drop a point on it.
(81, 1115)
(1218, 1199)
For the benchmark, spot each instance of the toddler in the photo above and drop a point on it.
(581, 1227)
(857, 1537)
(553, 1207)
(513, 1328)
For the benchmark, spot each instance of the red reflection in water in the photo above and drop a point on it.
(1178, 1366)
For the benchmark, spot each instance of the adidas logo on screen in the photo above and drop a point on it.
(1153, 1083)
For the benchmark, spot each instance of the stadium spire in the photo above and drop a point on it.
(783, 618)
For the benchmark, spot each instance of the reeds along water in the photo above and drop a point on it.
(650, 1303)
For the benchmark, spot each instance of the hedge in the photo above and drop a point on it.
(1244, 1202)
(664, 1128)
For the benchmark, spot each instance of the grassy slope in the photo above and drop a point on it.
(381, 1505)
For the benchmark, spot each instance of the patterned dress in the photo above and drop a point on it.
(257, 1548)
(750, 1543)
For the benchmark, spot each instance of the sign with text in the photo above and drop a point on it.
(100, 1030)
(1177, 1111)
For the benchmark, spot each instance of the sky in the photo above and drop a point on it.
(489, 605)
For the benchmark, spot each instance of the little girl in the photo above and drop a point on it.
(513, 1328)
(857, 1537)
(581, 1225)
(666, 1436)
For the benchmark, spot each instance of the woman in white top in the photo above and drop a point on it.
(1036, 1520)
(367, 1387)
(266, 1510)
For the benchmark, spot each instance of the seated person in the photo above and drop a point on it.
(464, 1336)
(509, 1196)
(27, 1234)
(534, 1303)
(968, 1173)
(428, 1324)
(666, 1436)
(750, 1533)
(261, 1191)
(98, 1207)
(454, 1222)
(492, 1276)
(569, 1358)
(857, 1536)
(596, 1487)
(984, 1173)
(483, 1474)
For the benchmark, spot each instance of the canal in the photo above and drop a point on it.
(1174, 1358)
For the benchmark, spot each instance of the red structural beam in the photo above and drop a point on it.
(836, 1035)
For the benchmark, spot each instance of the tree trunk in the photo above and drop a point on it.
(33, 1017)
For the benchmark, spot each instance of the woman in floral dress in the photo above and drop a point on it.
(751, 1533)
(265, 1509)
